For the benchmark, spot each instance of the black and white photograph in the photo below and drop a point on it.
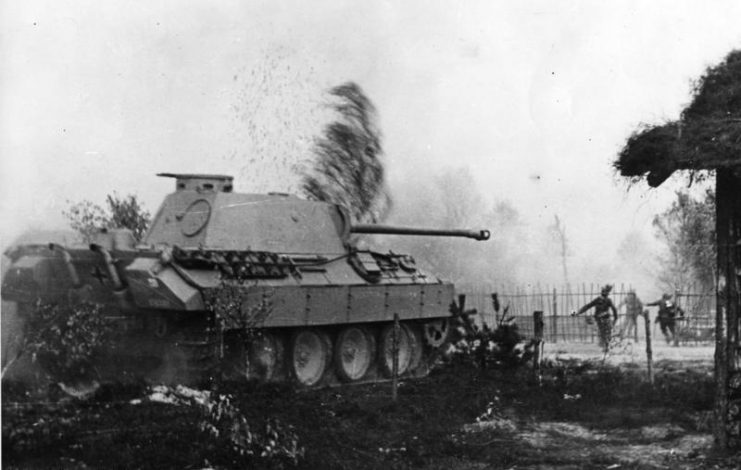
(420, 234)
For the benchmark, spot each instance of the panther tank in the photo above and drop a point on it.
(258, 286)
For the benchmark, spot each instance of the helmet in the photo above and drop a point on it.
(666, 296)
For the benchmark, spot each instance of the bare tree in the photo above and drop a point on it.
(688, 230)
(558, 231)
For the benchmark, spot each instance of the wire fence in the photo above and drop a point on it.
(557, 303)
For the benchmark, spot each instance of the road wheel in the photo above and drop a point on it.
(266, 356)
(415, 334)
(436, 332)
(311, 352)
(354, 353)
(407, 350)
(80, 389)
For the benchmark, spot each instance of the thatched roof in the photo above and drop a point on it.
(707, 135)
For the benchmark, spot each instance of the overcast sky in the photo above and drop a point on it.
(536, 98)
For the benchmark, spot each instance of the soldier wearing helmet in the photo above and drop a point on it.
(633, 309)
(602, 306)
(667, 317)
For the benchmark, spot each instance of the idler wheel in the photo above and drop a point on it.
(266, 356)
(409, 350)
(436, 332)
(311, 352)
(354, 352)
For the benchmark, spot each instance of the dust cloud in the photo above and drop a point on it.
(521, 251)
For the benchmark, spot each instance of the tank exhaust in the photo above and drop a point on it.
(68, 262)
(118, 285)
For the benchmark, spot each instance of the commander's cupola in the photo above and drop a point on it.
(201, 183)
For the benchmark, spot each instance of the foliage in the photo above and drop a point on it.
(237, 322)
(275, 446)
(206, 427)
(501, 348)
(718, 92)
(348, 168)
(88, 218)
(688, 229)
(127, 212)
(457, 417)
(227, 303)
(66, 338)
(706, 136)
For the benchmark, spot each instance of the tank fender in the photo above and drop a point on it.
(161, 287)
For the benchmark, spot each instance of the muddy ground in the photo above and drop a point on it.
(583, 413)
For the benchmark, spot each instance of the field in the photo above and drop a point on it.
(583, 412)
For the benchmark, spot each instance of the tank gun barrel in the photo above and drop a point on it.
(393, 230)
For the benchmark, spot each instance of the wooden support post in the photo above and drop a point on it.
(726, 190)
(555, 316)
(649, 353)
(635, 324)
(395, 362)
(538, 326)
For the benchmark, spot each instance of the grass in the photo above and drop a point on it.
(582, 414)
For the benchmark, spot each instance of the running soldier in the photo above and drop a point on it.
(633, 309)
(602, 306)
(667, 317)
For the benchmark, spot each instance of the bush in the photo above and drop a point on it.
(503, 348)
(274, 446)
(65, 338)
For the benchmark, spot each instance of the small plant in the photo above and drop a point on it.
(65, 338)
(274, 446)
(228, 434)
(509, 348)
(236, 322)
(227, 303)
(503, 347)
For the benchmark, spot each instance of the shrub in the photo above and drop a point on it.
(65, 338)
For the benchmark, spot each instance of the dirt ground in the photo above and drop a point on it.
(582, 413)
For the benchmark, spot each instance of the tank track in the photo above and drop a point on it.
(308, 357)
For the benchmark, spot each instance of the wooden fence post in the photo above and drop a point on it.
(555, 317)
(538, 326)
(395, 362)
(649, 353)
(635, 324)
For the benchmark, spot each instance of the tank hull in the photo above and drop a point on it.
(170, 326)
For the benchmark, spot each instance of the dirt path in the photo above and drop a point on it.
(633, 353)
(606, 432)
(568, 445)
